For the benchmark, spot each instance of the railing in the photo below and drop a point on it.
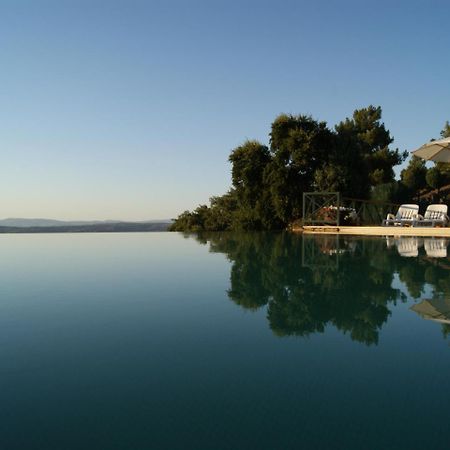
(330, 208)
(370, 212)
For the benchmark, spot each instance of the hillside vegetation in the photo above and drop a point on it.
(355, 157)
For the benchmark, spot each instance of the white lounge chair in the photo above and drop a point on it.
(434, 215)
(406, 215)
(435, 248)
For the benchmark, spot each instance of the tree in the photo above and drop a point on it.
(299, 145)
(414, 176)
(191, 221)
(222, 212)
(363, 146)
(304, 155)
(434, 178)
(445, 133)
(249, 163)
(219, 216)
(333, 178)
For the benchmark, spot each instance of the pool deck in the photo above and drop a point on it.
(376, 231)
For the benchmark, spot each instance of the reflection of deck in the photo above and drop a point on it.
(377, 231)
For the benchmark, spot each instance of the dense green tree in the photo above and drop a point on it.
(219, 216)
(254, 204)
(363, 147)
(299, 146)
(354, 159)
(414, 175)
(191, 221)
(434, 178)
(387, 192)
(222, 212)
(333, 178)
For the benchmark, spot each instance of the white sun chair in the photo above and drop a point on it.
(435, 248)
(406, 215)
(434, 215)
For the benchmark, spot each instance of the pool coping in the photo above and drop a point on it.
(376, 230)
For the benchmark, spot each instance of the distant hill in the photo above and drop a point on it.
(18, 222)
(59, 226)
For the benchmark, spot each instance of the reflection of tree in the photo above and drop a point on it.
(446, 330)
(418, 272)
(267, 270)
(352, 298)
(412, 275)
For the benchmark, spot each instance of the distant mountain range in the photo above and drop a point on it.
(18, 225)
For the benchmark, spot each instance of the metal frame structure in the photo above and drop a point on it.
(313, 202)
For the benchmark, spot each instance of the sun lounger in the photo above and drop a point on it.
(434, 215)
(406, 215)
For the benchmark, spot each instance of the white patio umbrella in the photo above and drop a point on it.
(437, 151)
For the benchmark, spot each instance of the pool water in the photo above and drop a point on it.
(223, 341)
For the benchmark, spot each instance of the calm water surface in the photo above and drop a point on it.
(223, 341)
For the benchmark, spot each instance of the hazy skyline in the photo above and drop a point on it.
(128, 110)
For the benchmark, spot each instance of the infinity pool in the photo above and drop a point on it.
(223, 341)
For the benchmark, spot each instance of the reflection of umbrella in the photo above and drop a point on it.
(437, 309)
(438, 151)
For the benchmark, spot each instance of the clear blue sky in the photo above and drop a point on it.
(129, 109)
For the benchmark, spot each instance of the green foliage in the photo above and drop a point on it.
(414, 176)
(444, 172)
(417, 178)
(192, 221)
(333, 178)
(304, 155)
(386, 193)
(299, 146)
(434, 178)
(254, 206)
(363, 146)
(218, 216)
